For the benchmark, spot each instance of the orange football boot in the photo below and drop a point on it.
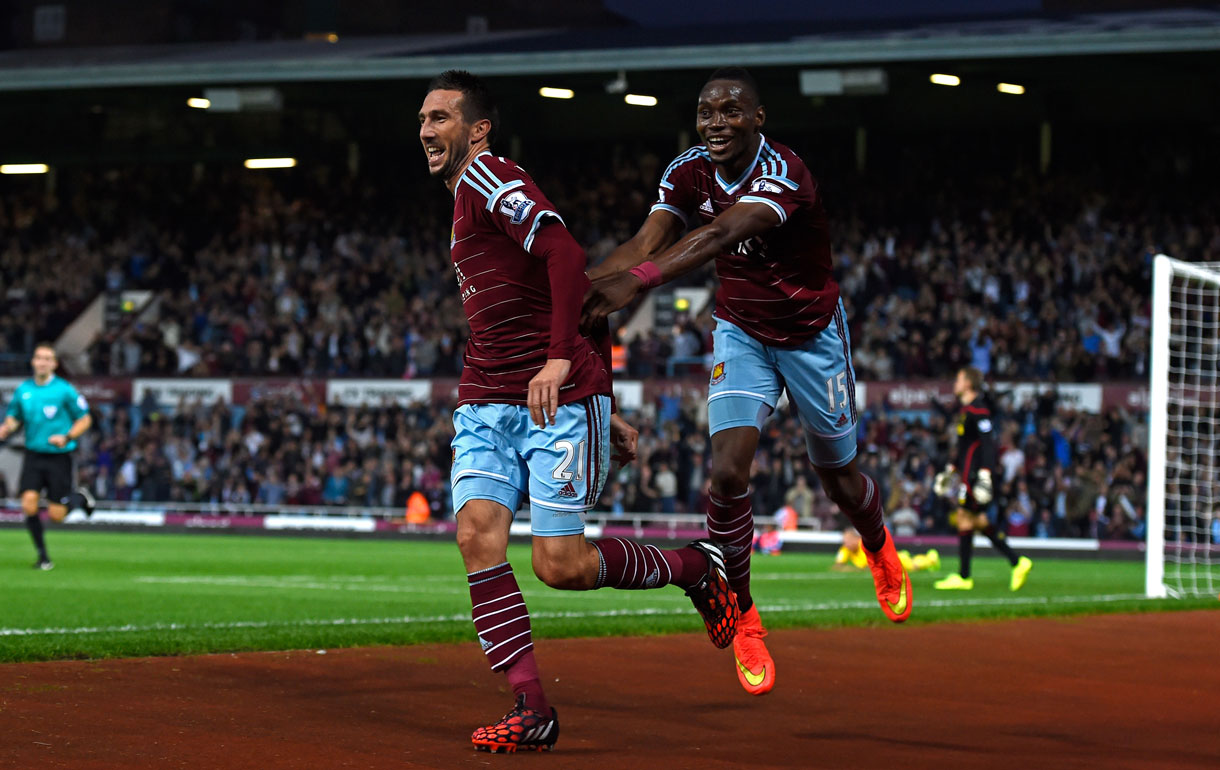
(755, 669)
(891, 581)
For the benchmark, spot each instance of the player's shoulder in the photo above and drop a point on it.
(779, 162)
(490, 176)
(26, 388)
(691, 158)
(500, 165)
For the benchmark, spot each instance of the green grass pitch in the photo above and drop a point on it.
(120, 595)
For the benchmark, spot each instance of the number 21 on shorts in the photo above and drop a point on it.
(561, 472)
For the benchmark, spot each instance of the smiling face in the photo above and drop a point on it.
(447, 138)
(728, 120)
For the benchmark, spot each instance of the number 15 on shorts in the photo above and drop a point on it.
(836, 384)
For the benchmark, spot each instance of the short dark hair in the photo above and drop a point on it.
(48, 345)
(477, 101)
(738, 75)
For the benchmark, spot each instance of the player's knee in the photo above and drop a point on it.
(57, 512)
(478, 544)
(29, 504)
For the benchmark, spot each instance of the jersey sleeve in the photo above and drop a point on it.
(676, 192)
(75, 404)
(983, 424)
(784, 188)
(512, 201)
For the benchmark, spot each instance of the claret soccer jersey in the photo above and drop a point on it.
(778, 287)
(506, 291)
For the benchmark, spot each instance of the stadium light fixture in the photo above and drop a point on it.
(1010, 88)
(556, 93)
(270, 162)
(641, 100)
(24, 168)
(198, 103)
(946, 80)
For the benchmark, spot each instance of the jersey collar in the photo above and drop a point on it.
(732, 188)
(466, 173)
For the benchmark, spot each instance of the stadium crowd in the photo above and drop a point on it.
(1061, 472)
(1023, 276)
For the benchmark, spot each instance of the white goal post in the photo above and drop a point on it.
(1183, 538)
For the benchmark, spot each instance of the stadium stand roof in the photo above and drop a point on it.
(540, 51)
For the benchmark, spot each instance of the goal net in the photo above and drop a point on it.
(1183, 546)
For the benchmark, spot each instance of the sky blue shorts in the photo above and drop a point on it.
(748, 377)
(500, 455)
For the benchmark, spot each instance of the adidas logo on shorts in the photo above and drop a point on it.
(568, 490)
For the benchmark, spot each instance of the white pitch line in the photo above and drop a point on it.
(359, 586)
(336, 585)
(465, 618)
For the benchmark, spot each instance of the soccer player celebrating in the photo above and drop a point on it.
(534, 414)
(750, 204)
(54, 416)
(976, 458)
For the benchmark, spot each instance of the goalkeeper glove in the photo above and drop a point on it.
(943, 483)
(981, 489)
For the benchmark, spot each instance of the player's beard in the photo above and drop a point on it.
(448, 170)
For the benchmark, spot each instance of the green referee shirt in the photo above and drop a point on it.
(47, 410)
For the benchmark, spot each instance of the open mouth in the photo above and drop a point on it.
(718, 144)
(435, 155)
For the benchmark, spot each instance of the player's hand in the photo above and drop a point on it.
(543, 396)
(623, 440)
(943, 482)
(60, 441)
(982, 489)
(606, 295)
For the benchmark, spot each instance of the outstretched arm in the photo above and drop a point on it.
(660, 231)
(738, 223)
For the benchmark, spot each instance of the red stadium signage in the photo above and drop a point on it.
(911, 395)
(378, 392)
(304, 390)
(172, 392)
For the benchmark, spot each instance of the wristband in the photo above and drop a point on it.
(648, 273)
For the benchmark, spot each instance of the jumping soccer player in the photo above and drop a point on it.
(534, 412)
(976, 458)
(54, 416)
(750, 204)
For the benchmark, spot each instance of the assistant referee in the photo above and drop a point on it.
(54, 416)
